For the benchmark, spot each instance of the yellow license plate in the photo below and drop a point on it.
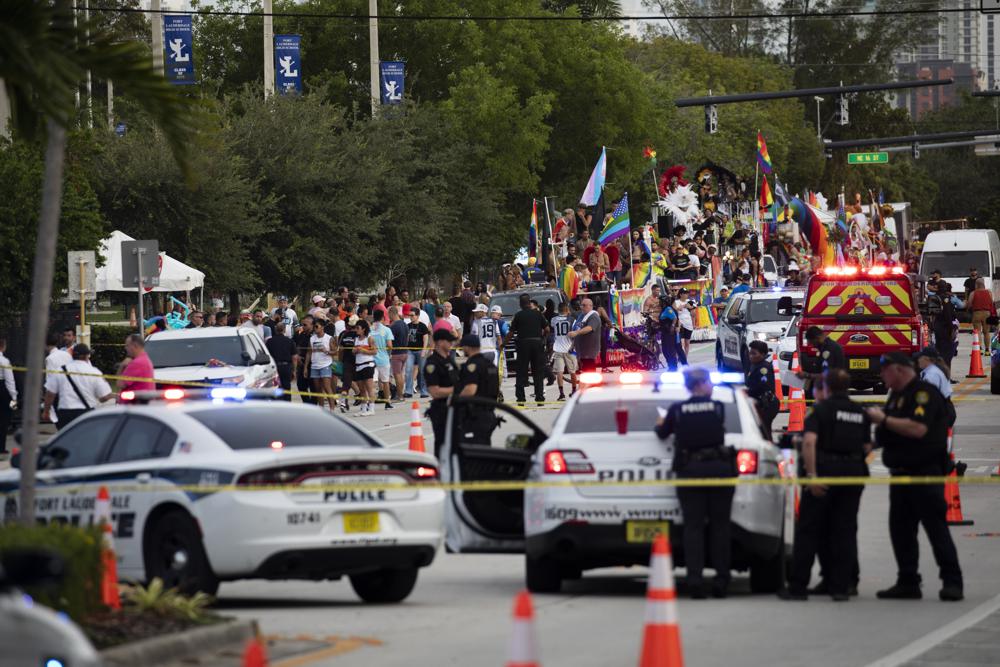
(361, 522)
(644, 532)
(860, 364)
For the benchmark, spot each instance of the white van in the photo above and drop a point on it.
(955, 252)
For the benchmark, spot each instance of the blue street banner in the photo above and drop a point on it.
(177, 38)
(392, 81)
(287, 64)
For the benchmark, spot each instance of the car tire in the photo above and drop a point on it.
(173, 552)
(542, 575)
(767, 574)
(387, 585)
(995, 380)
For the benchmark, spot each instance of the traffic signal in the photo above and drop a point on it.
(711, 119)
(841, 115)
(915, 151)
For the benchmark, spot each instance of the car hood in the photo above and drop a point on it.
(776, 329)
(195, 373)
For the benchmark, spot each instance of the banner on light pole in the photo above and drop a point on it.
(392, 72)
(178, 40)
(287, 64)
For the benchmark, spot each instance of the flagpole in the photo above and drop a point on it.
(548, 222)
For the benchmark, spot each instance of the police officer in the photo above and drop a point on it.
(837, 437)
(698, 426)
(441, 377)
(760, 384)
(913, 433)
(831, 355)
(531, 328)
(478, 377)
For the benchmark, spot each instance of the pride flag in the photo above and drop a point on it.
(762, 155)
(618, 226)
(567, 282)
(765, 195)
(615, 304)
(533, 237)
(596, 183)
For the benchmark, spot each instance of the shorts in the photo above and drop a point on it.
(685, 334)
(563, 362)
(325, 372)
(588, 365)
(366, 373)
(398, 364)
(383, 373)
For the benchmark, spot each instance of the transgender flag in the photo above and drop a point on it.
(596, 183)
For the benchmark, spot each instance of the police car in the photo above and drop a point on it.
(213, 355)
(751, 316)
(578, 524)
(156, 459)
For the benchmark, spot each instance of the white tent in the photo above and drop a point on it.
(175, 276)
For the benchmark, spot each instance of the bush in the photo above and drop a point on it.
(108, 346)
(79, 592)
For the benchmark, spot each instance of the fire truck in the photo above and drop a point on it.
(869, 312)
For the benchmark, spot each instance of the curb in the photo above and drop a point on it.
(179, 645)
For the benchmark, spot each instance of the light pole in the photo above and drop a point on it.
(373, 53)
(268, 48)
(819, 131)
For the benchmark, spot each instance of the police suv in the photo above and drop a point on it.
(751, 316)
(573, 520)
(189, 483)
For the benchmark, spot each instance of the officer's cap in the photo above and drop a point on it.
(443, 334)
(470, 340)
(896, 359)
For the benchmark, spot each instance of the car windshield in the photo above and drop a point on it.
(195, 351)
(259, 427)
(956, 264)
(599, 416)
(510, 303)
(766, 310)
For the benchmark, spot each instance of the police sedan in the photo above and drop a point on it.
(751, 316)
(188, 482)
(605, 434)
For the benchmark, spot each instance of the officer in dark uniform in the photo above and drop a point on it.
(913, 433)
(831, 355)
(760, 384)
(837, 437)
(531, 329)
(478, 377)
(698, 426)
(441, 377)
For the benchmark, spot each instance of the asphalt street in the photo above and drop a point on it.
(460, 612)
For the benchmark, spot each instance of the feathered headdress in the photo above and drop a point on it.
(682, 203)
(677, 171)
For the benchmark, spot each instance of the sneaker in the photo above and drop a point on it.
(357, 402)
(389, 406)
(720, 589)
(407, 395)
(343, 406)
(840, 597)
(562, 397)
(793, 594)
(951, 594)
(822, 588)
(900, 592)
(425, 395)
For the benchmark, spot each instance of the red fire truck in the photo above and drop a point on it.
(869, 312)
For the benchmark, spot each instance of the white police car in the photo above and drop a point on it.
(750, 316)
(577, 524)
(153, 458)
(213, 355)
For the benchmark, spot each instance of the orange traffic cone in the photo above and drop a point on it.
(796, 410)
(416, 429)
(109, 570)
(661, 638)
(976, 365)
(523, 649)
(953, 497)
(132, 322)
(778, 391)
(254, 654)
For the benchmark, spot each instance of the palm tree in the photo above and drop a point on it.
(43, 59)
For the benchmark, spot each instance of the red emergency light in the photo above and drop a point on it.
(852, 271)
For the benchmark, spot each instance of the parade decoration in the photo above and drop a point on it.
(672, 179)
(763, 157)
(765, 194)
(567, 281)
(596, 183)
(533, 236)
(615, 307)
(682, 203)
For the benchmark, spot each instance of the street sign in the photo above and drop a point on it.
(144, 256)
(989, 6)
(991, 149)
(88, 259)
(868, 158)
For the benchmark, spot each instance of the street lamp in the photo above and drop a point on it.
(819, 132)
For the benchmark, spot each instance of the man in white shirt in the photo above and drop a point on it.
(79, 386)
(285, 313)
(8, 396)
(54, 361)
(257, 324)
(456, 323)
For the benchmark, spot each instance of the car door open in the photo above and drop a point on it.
(490, 521)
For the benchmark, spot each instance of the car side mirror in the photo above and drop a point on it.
(32, 567)
(736, 318)
(262, 359)
(518, 441)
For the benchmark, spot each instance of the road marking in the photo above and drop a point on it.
(341, 647)
(942, 634)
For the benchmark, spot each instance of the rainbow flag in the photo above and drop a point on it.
(533, 237)
(567, 282)
(618, 226)
(641, 273)
(765, 195)
(762, 155)
(615, 305)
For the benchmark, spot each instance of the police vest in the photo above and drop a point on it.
(699, 424)
(844, 427)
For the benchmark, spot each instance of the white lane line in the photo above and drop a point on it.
(942, 634)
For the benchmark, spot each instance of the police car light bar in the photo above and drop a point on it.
(676, 377)
(591, 378)
(213, 394)
(851, 271)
